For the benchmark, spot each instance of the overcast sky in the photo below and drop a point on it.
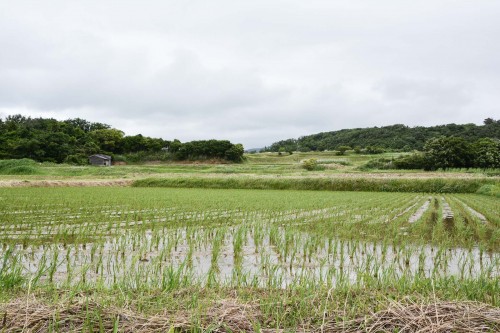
(253, 72)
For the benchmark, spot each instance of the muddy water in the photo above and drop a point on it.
(260, 256)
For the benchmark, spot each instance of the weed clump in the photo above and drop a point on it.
(23, 166)
(379, 163)
(492, 190)
(310, 164)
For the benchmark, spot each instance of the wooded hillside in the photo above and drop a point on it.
(396, 137)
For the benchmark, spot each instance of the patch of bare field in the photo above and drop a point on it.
(65, 183)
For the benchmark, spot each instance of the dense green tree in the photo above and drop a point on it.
(235, 153)
(486, 153)
(452, 152)
(205, 149)
(342, 149)
(109, 140)
(137, 143)
(86, 126)
(448, 152)
(133, 143)
(287, 145)
(175, 146)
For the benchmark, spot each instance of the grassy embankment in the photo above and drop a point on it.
(432, 185)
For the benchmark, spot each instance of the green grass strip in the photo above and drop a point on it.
(435, 185)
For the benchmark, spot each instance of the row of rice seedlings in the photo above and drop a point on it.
(308, 253)
(470, 227)
(372, 223)
(433, 226)
(139, 215)
(153, 225)
(487, 206)
(406, 208)
(426, 226)
(59, 229)
(100, 226)
(147, 252)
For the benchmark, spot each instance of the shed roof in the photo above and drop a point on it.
(104, 157)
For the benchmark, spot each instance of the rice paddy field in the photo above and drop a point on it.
(147, 259)
(262, 246)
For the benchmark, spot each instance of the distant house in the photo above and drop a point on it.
(100, 159)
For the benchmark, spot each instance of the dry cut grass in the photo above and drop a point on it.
(229, 315)
(428, 318)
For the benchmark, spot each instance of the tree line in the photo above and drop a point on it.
(73, 140)
(394, 138)
(453, 152)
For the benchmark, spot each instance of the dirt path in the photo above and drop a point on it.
(65, 183)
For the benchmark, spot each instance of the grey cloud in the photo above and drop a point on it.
(253, 72)
(425, 91)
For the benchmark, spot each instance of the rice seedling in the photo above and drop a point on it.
(285, 247)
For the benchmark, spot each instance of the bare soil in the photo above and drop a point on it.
(65, 183)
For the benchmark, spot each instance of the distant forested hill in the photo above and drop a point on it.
(395, 137)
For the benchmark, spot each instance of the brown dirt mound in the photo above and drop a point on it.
(229, 315)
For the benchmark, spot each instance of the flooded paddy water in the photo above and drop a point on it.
(258, 260)
(317, 238)
(271, 238)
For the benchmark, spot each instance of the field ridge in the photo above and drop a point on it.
(430, 185)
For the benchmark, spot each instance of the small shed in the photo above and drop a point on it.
(100, 159)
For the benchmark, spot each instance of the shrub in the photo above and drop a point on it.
(310, 164)
(372, 150)
(414, 161)
(142, 156)
(77, 159)
(490, 189)
(341, 150)
(379, 163)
